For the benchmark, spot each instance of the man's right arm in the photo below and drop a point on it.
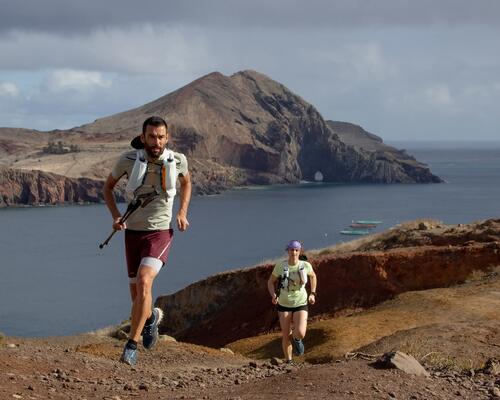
(109, 198)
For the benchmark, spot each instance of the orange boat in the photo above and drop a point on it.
(362, 225)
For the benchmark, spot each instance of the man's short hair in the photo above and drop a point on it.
(154, 121)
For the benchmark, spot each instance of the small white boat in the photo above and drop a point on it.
(368, 222)
(355, 232)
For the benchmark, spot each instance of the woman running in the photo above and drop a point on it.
(292, 300)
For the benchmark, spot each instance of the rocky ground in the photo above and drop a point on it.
(453, 331)
(62, 369)
(86, 366)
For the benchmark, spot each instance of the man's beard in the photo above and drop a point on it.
(153, 151)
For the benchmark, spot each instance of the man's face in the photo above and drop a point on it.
(155, 139)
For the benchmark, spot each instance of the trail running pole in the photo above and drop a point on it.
(134, 205)
(139, 201)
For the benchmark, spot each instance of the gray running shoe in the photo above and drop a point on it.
(129, 355)
(298, 347)
(150, 332)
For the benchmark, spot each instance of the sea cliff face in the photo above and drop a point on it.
(36, 188)
(386, 163)
(236, 304)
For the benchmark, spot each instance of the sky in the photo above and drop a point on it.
(405, 70)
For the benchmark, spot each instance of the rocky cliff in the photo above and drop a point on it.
(390, 164)
(236, 130)
(250, 122)
(37, 187)
(236, 304)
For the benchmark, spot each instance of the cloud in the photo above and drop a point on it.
(8, 89)
(475, 91)
(433, 98)
(438, 95)
(81, 18)
(357, 62)
(370, 62)
(66, 79)
(146, 49)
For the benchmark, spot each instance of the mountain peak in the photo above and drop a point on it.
(240, 130)
(250, 73)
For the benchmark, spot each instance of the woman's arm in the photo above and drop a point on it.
(271, 284)
(313, 282)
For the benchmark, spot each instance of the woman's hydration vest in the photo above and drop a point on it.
(284, 280)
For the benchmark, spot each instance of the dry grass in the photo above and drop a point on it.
(479, 275)
(420, 348)
(115, 331)
(445, 361)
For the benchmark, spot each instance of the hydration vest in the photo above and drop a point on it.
(139, 171)
(284, 279)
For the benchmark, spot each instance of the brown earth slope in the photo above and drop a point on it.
(451, 341)
(454, 331)
(416, 256)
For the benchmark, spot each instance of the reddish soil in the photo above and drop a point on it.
(453, 331)
(87, 367)
(62, 369)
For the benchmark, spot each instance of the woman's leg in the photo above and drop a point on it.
(285, 323)
(299, 324)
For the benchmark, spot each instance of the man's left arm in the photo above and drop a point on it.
(185, 198)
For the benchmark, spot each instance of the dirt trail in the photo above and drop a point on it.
(444, 327)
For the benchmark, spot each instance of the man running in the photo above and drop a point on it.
(150, 169)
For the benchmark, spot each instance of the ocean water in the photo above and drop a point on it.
(54, 280)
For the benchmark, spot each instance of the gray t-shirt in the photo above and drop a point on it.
(157, 215)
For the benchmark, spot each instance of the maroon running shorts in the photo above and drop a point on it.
(140, 244)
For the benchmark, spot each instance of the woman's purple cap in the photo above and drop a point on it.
(294, 244)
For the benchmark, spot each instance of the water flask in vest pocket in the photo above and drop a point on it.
(284, 279)
(303, 275)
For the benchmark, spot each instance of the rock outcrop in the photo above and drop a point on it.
(19, 187)
(391, 165)
(402, 361)
(236, 304)
(243, 129)
(250, 122)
